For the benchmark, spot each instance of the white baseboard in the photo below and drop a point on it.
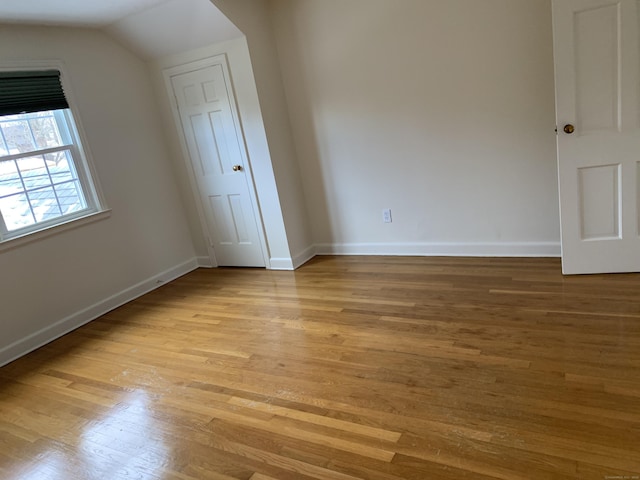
(280, 263)
(205, 262)
(511, 249)
(304, 256)
(295, 261)
(61, 327)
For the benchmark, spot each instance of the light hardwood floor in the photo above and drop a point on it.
(349, 368)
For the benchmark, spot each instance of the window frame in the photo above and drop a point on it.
(69, 125)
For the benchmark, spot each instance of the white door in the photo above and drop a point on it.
(597, 53)
(216, 150)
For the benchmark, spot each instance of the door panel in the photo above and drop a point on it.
(215, 147)
(599, 202)
(597, 56)
(597, 69)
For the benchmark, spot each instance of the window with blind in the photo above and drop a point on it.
(44, 179)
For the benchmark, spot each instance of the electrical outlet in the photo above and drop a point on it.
(386, 215)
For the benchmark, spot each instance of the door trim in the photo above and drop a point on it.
(193, 66)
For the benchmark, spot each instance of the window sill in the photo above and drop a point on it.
(49, 231)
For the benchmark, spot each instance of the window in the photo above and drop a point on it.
(44, 180)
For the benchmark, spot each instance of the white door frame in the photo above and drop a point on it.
(196, 65)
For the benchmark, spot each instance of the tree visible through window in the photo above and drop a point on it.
(43, 179)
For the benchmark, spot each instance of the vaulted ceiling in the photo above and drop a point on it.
(72, 12)
(150, 28)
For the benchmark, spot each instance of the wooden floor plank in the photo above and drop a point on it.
(378, 368)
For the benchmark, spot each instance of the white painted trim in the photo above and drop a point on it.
(510, 249)
(42, 337)
(54, 229)
(304, 256)
(280, 264)
(295, 261)
(205, 262)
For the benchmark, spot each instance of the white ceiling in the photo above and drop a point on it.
(175, 26)
(90, 13)
(149, 28)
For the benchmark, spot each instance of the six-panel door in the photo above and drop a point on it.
(216, 152)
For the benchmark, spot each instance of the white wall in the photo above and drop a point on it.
(442, 111)
(52, 285)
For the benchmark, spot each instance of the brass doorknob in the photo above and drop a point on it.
(237, 168)
(569, 129)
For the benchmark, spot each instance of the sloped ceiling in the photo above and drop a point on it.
(173, 27)
(150, 28)
(84, 13)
